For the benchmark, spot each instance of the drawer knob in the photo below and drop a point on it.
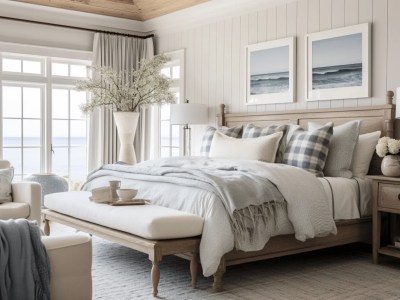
(398, 196)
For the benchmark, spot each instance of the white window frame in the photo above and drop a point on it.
(45, 55)
(178, 85)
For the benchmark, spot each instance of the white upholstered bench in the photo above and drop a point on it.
(154, 230)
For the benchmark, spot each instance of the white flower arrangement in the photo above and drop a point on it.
(386, 146)
(128, 90)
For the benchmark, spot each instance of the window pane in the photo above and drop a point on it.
(166, 72)
(165, 151)
(11, 65)
(78, 163)
(14, 156)
(175, 152)
(60, 133)
(176, 72)
(31, 132)
(165, 133)
(59, 69)
(12, 101)
(60, 161)
(78, 129)
(165, 112)
(76, 100)
(60, 103)
(78, 71)
(32, 67)
(175, 135)
(31, 160)
(11, 132)
(32, 101)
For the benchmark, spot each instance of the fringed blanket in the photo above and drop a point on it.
(24, 264)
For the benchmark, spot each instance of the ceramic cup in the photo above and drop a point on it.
(114, 185)
(126, 194)
(101, 194)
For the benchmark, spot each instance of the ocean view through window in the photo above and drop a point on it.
(43, 129)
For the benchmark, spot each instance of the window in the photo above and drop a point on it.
(170, 135)
(43, 129)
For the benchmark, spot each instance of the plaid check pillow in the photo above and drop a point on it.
(235, 132)
(309, 150)
(252, 131)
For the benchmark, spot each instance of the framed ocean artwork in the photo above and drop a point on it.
(338, 63)
(271, 72)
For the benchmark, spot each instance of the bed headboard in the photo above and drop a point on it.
(378, 117)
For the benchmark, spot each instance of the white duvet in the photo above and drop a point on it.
(308, 214)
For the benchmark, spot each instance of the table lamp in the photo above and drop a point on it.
(185, 114)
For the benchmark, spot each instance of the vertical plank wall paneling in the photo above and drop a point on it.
(216, 55)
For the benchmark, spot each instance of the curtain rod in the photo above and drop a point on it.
(77, 28)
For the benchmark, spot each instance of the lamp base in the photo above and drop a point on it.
(186, 140)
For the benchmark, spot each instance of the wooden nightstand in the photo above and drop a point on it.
(386, 199)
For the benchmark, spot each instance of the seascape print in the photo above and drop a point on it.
(337, 62)
(269, 71)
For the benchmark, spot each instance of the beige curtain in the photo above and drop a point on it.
(120, 53)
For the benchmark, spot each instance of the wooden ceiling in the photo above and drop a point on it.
(140, 10)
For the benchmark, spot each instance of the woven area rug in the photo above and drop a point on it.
(337, 273)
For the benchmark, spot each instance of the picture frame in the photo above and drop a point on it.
(270, 72)
(338, 63)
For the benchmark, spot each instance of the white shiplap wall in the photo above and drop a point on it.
(215, 52)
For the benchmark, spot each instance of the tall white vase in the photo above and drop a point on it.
(126, 123)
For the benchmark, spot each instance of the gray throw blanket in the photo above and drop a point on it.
(24, 264)
(249, 199)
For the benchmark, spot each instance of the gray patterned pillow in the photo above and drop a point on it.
(6, 176)
(341, 148)
(309, 150)
(252, 131)
(235, 132)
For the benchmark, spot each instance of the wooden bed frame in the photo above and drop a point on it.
(349, 231)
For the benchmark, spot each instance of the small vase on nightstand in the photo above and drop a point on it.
(391, 165)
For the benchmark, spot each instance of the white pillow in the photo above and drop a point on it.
(341, 148)
(363, 153)
(6, 176)
(263, 148)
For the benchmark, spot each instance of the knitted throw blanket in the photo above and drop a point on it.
(24, 264)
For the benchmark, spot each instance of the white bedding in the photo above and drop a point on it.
(348, 198)
(307, 209)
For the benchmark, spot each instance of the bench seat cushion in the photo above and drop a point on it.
(148, 221)
(14, 210)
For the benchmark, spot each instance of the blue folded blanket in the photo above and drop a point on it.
(24, 263)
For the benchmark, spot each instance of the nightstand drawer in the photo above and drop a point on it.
(389, 196)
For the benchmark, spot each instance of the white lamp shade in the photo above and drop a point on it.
(189, 113)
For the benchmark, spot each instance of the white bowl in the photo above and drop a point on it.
(126, 194)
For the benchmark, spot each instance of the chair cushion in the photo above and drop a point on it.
(14, 210)
(148, 221)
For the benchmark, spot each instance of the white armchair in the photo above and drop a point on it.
(26, 200)
(71, 266)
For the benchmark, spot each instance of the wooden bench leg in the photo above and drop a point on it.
(217, 286)
(46, 226)
(194, 263)
(155, 270)
(155, 277)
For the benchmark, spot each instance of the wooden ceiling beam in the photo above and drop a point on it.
(140, 10)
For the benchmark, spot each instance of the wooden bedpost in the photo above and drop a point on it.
(221, 119)
(389, 119)
(389, 97)
(217, 286)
